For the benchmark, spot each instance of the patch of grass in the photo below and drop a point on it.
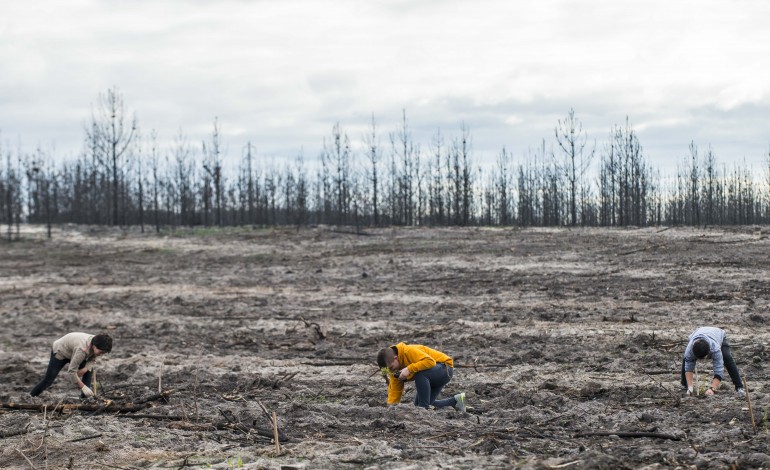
(66, 255)
(196, 232)
(215, 232)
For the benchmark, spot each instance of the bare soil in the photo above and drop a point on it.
(556, 334)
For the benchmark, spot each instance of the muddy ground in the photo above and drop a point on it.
(556, 334)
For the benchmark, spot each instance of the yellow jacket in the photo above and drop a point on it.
(416, 358)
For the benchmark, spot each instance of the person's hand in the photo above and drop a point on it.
(404, 374)
(87, 391)
(709, 392)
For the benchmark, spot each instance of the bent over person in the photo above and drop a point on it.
(429, 369)
(710, 342)
(80, 350)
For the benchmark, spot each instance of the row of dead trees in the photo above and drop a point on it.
(123, 178)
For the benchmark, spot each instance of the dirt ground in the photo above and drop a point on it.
(556, 334)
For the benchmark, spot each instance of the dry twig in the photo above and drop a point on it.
(628, 434)
(25, 458)
(748, 399)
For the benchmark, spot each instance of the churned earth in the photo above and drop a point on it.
(567, 342)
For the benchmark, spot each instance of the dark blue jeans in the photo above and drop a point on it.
(54, 367)
(732, 369)
(429, 384)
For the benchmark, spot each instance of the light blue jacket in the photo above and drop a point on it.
(715, 337)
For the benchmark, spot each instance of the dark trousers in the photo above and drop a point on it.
(54, 367)
(429, 384)
(732, 369)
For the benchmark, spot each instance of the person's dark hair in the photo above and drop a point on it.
(102, 341)
(384, 356)
(701, 348)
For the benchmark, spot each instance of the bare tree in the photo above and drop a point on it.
(436, 202)
(155, 179)
(213, 166)
(402, 173)
(373, 152)
(112, 133)
(572, 141)
(250, 190)
(693, 203)
(301, 192)
(183, 180)
(502, 183)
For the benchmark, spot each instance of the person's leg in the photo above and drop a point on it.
(732, 369)
(54, 367)
(684, 379)
(451, 401)
(88, 379)
(429, 384)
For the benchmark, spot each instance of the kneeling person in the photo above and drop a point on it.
(710, 342)
(80, 350)
(429, 369)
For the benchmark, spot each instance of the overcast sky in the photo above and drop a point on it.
(281, 73)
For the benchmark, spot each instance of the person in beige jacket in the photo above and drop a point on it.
(80, 350)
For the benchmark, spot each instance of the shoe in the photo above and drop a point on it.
(460, 402)
(740, 393)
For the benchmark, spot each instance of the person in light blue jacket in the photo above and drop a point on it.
(710, 342)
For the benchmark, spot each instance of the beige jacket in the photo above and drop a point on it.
(77, 348)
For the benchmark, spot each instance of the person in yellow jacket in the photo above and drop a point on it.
(429, 369)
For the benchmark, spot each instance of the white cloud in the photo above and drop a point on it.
(281, 73)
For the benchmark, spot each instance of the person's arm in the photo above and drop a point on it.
(688, 378)
(719, 369)
(395, 390)
(77, 357)
(419, 360)
(689, 367)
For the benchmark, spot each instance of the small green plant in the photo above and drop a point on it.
(764, 421)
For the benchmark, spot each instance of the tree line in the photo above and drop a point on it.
(123, 178)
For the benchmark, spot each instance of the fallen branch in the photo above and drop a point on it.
(264, 410)
(677, 398)
(342, 362)
(15, 432)
(473, 366)
(224, 426)
(153, 416)
(629, 434)
(157, 396)
(25, 458)
(111, 407)
(650, 247)
(320, 330)
(85, 438)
